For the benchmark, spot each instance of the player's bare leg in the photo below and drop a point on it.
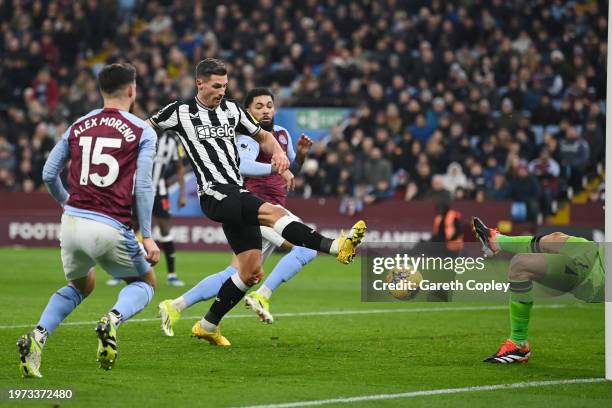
(298, 233)
(61, 304)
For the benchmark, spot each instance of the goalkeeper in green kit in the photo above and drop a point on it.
(558, 261)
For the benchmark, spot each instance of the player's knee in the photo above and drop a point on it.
(269, 214)
(555, 237)
(304, 255)
(86, 285)
(519, 268)
(87, 289)
(151, 279)
(251, 272)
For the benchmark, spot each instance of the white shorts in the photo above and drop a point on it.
(86, 242)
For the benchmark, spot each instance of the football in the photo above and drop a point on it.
(406, 283)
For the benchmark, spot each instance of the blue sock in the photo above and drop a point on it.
(289, 266)
(61, 304)
(208, 287)
(132, 299)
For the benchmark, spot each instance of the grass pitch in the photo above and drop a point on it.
(325, 344)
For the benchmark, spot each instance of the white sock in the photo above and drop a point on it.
(239, 283)
(282, 222)
(335, 247)
(172, 275)
(179, 304)
(265, 291)
(41, 336)
(208, 326)
(115, 319)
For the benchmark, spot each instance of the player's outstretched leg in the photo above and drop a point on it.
(134, 297)
(493, 242)
(170, 309)
(285, 269)
(299, 234)
(30, 346)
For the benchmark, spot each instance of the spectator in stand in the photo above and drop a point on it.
(7, 155)
(454, 178)
(427, 84)
(546, 170)
(575, 154)
(499, 189)
(437, 192)
(595, 138)
(545, 114)
(524, 188)
(421, 130)
(313, 180)
(377, 168)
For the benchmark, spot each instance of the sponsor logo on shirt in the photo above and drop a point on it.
(207, 132)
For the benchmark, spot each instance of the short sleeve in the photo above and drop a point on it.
(247, 125)
(167, 117)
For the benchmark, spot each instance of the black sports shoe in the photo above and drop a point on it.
(486, 236)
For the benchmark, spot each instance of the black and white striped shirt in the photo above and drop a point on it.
(208, 136)
(168, 151)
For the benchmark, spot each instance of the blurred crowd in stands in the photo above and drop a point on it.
(471, 99)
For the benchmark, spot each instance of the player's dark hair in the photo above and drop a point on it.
(115, 76)
(255, 92)
(210, 66)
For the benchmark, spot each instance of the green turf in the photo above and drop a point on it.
(299, 357)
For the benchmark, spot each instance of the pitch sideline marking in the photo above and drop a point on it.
(322, 313)
(443, 391)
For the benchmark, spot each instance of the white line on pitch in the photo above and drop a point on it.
(425, 393)
(322, 313)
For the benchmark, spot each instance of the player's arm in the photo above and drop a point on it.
(249, 126)
(53, 168)
(248, 150)
(145, 193)
(297, 158)
(269, 144)
(303, 148)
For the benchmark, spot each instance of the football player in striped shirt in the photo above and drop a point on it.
(261, 180)
(207, 126)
